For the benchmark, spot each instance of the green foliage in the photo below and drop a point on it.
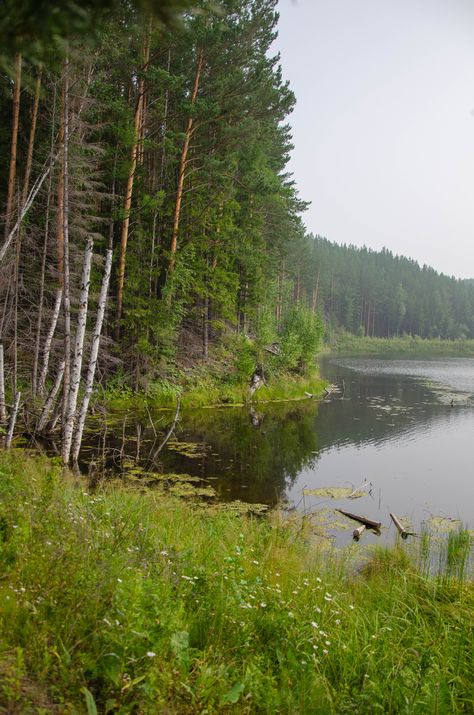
(376, 294)
(302, 333)
(36, 29)
(118, 601)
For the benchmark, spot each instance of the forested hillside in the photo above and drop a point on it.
(155, 157)
(379, 294)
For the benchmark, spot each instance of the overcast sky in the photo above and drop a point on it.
(384, 123)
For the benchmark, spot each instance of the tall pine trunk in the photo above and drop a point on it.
(31, 141)
(13, 145)
(314, 302)
(182, 166)
(127, 202)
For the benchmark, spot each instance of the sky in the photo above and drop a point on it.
(384, 123)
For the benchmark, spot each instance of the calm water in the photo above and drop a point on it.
(405, 426)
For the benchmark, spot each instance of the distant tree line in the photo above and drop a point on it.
(377, 293)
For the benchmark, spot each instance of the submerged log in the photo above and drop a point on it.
(362, 520)
(357, 533)
(400, 528)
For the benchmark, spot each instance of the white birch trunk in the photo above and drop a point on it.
(77, 439)
(48, 405)
(3, 409)
(65, 228)
(48, 341)
(75, 377)
(11, 424)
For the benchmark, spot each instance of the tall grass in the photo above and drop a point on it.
(116, 601)
(203, 389)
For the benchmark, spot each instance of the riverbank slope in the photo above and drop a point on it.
(118, 601)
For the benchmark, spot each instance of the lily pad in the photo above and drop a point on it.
(188, 478)
(335, 492)
(184, 489)
(442, 523)
(192, 450)
(239, 508)
(325, 519)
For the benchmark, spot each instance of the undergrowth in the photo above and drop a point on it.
(115, 601)
(206, 387)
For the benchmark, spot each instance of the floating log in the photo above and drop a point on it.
(357, 533)
(400, 528)
(362, 520)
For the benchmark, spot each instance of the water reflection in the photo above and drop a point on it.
(387, 425)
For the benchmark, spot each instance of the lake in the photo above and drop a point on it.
(402, 429)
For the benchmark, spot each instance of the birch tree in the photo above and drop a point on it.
(94, 353)
(75, 374)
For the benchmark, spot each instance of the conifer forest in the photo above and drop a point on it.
(150, 223)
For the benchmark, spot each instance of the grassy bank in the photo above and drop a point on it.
(120, 602)
(347, 344)
(204, 388)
